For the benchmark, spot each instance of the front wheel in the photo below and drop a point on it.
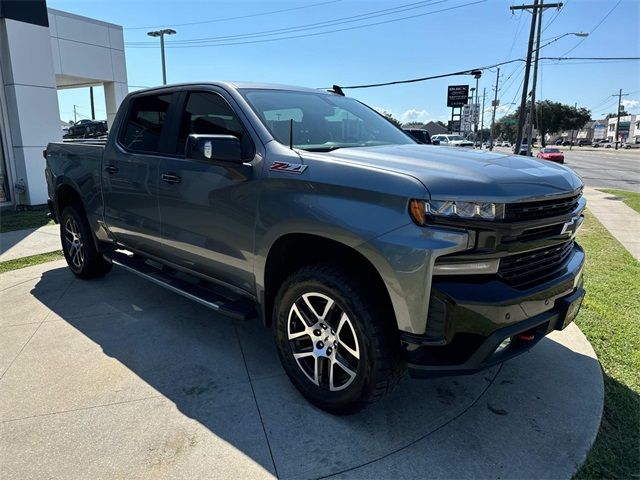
(336, 341)
(78, 247)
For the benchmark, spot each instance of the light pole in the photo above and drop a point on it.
(532, 107)
(161, 34)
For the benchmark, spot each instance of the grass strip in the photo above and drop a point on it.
(610, 318)
(631, 199)
(11, 220)
(24, 262)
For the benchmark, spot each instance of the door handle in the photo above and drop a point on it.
(170, 178)
(111, 169)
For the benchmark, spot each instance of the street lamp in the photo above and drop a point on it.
(161, 34)
(577, 34)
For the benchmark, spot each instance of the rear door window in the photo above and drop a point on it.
(146, 121)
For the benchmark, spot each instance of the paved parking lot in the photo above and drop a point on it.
(118, 378)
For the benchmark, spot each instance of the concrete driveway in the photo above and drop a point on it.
(118, 378)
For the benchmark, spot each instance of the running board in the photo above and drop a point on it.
(238, 308)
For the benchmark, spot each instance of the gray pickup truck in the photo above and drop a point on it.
(365, 252)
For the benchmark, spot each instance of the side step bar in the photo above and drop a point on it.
(237, 308)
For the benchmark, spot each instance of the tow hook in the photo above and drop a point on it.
(527, 336)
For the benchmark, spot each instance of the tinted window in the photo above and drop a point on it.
(210, 114)
(147, 116)
(322, 122)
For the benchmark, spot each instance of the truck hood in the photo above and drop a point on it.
(460, 173)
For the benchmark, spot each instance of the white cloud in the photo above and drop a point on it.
(413, 115)
(630, 103)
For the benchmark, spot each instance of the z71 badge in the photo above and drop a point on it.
(288, 167)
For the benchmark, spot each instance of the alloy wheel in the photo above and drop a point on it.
(323, 341)
(73, 242)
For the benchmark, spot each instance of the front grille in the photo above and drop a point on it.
(541, 208)
(532, 266)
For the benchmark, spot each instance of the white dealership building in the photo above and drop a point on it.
(41, 51)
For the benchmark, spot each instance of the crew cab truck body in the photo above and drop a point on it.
(363, 250)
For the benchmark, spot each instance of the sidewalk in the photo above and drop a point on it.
(23, 243)
(622, 221)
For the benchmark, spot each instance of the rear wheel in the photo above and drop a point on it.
(78, 247)
(335, 339)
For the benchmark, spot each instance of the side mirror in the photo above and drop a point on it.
(213, 148)
(435, 142)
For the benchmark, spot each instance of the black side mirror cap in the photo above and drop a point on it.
(213, 148)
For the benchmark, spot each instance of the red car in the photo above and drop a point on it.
(553, 154)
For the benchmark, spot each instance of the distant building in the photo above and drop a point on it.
(628, 131)
(435, 128)
(593, 130)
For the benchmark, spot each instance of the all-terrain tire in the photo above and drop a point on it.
(371, 325)
(78, 245)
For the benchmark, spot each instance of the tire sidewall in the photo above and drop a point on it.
(293, 289)
(94, 265)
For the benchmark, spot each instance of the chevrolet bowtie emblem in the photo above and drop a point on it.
(572, 226)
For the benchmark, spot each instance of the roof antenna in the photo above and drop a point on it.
(291, 134)
(338, 90)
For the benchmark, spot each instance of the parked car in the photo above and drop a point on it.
(602, 143)
(522, 151)
(420, 135)
(583, 142)
(357, 246)
(550, 153)
(505, 144)
(452, 140)
(628, 146)
(87, 128)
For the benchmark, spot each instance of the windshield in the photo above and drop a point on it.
(322, 122)
(551, 150)
(455, 138)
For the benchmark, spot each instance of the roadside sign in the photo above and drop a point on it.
(471, 113)
(454, 125)
(495, 103)
(457, 95)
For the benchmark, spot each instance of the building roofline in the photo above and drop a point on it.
(53, 11)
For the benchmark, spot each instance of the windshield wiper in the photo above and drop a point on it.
(322, 149)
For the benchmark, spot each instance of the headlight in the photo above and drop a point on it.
(420, 209)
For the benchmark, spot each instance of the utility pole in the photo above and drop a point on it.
(93, 108)
(495, 105)
(619, 95)
(75, 115)
(536, 9)
(532, 108)
(484, 94)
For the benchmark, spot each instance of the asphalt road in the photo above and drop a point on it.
(604, 168)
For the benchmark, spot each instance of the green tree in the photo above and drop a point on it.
(391, 118)
(554, 117)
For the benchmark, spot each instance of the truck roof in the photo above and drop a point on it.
(239, 86)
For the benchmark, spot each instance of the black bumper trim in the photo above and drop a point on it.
(484, 356)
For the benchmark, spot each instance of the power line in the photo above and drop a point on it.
(433, 77)
(309, 26)
(272, 12)
(593, 29)
(325, 32)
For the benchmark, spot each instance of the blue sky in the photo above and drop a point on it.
(415, 41)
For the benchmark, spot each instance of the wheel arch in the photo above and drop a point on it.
(293, 251)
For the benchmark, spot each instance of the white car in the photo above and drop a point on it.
(505, 144)
(452, 140)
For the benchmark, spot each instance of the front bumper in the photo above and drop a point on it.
(476, 323)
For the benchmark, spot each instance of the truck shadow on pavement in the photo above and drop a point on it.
(122, 341)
